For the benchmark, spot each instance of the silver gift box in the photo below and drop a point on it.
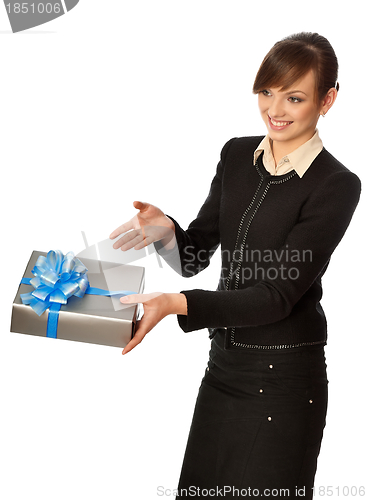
(93, 319)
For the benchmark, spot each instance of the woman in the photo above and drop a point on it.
(278, 206)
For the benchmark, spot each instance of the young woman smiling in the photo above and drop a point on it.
(261, 408)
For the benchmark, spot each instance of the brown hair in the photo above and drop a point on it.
(292, 58)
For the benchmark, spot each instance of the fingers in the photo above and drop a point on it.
(131, 224)
(139, 298)
(143, 326)
(139, 238)
(141, 330)
(144, 242)
(129, 240)
(151, 317)
(138, 337)
(122, 229)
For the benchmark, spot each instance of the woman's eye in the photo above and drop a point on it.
(266, 92)
(295, 99)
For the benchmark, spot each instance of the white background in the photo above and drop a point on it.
(118, 101)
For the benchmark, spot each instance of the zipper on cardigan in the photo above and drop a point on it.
(243, 229)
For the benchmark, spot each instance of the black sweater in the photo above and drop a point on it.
(276, 234)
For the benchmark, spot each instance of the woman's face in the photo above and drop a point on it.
(291, 116)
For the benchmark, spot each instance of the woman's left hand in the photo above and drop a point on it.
(157, 306)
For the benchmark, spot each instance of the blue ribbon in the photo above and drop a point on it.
(57, 278)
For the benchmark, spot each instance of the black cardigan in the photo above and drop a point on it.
(276, 234)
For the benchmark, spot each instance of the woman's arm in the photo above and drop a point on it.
(191, 255)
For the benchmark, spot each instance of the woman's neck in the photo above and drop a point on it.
(280, 149)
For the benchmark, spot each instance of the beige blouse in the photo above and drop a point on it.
(299, 160)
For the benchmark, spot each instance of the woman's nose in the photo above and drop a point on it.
(276, 109)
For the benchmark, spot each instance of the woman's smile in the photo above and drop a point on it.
(278, 125)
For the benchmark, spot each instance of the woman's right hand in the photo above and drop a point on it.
(150, 224)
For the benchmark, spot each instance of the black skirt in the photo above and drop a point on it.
(257, 425)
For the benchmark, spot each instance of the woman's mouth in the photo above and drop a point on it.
(277, 125)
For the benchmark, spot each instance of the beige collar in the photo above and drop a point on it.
(299, 160)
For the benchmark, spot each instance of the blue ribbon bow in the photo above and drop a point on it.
(57, 278)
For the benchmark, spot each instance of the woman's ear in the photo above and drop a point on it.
(328, 101)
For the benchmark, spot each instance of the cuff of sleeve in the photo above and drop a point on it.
(199, 313)
(172, 255)
(183, 320)
(160, 248)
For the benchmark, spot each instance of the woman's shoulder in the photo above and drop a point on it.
(331, 167)
(251, 141)
(241, 145)
(329, 179)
